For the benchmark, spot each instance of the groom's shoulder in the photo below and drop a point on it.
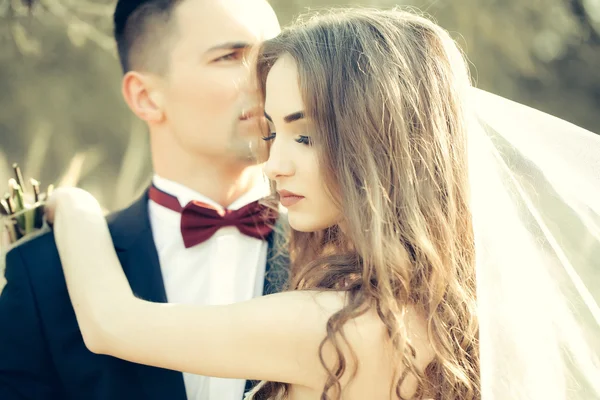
(45, 237)
(34, 244)
(35, 256)
(41, 245)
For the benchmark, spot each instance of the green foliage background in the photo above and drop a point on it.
(62, 116)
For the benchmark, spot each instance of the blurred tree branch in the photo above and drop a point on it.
(588, 13)
(54, 70)
(85, 21)
(79, 29)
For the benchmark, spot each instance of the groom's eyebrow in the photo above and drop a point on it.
(229, 46)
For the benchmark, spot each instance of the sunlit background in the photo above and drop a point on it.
(63, 120)
(62, 116)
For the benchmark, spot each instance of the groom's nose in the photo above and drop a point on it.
(248, 86)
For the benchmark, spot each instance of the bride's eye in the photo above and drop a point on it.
(270, 137)
(304, 140)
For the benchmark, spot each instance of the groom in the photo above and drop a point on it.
(185, 75)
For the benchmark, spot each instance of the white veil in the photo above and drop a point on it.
(536, 203)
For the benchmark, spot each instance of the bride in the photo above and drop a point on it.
(368, 117)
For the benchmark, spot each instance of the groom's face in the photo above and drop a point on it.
(210, 94)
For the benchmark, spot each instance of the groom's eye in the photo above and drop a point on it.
(235, 55)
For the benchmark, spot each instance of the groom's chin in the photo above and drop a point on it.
(249, 150)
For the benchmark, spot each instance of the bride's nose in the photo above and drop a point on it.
(280, 163)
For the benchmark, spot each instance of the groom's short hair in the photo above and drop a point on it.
(142, 30)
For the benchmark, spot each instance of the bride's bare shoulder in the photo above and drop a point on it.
(366, 336)
(367, 328)
(370, 342)
(300, 319)
(368, 332)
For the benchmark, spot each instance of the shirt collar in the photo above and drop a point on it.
(185, 194)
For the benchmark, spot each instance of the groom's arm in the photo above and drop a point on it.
(26, 371)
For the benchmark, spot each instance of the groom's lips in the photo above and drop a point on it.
(251, 114)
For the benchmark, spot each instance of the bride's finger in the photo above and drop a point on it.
(71, 197)
(49, 209)
(58, 195)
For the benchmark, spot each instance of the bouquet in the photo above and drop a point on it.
(21, 213)
(22, 208)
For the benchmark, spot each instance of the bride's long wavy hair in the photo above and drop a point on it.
(386, 93)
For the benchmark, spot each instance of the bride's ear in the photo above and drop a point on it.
(142, 94)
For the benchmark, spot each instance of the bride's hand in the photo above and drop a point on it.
(69, 199)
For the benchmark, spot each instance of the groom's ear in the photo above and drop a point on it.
(142, 95)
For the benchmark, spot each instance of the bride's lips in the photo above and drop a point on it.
(288, 199)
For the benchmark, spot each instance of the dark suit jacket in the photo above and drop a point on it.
(42, 354)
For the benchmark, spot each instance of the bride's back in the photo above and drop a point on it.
(369, 339)
(375, 375)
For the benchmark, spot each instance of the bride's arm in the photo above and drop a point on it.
(272, 338)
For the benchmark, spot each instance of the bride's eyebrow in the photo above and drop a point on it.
(289, 118)
(294, 117)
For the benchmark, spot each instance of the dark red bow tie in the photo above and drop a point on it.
(199, 221)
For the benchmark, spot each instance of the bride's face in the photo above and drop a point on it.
(293, 162)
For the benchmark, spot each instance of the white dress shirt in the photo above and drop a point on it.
(227, 268)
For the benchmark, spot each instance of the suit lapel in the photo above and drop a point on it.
(276, 269)
(278, 260)
(132, 236)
